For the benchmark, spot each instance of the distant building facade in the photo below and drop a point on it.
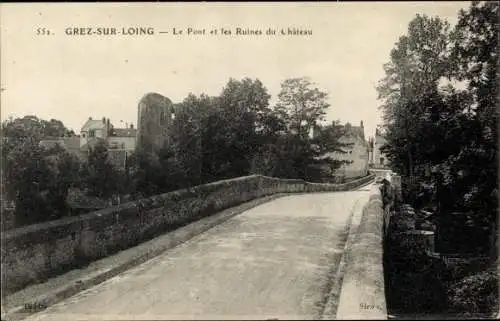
(154, 121)
(380, 159)
(122, 138)
(357, 153)
(70, 144)
(93, 131)
(121, 142)
(370, 151)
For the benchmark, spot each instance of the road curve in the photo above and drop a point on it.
(275, 261)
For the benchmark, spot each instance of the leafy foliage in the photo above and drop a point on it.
(35, 178)
(100, 177)
(233, 134)
(300, 109)
(33, 128)
(438, 132)
(477, 293)
(440, 113)
(300, 106)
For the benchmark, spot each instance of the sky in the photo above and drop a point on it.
(74, 77)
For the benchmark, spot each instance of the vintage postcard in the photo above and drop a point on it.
(300, 160)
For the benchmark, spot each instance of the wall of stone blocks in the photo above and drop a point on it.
(363, 286)
(33, 253)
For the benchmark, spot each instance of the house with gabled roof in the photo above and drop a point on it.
(356, 153)
(92, 131)
(121, 142)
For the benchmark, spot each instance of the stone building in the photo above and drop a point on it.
(122, 138)
(121, 142)
(92, 131)
(356, 152)
(121, 145)
(154, 121)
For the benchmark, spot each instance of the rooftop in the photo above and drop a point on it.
(124, 132)
(93, 124)
(67, 142)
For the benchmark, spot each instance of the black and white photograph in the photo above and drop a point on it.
(249, 160)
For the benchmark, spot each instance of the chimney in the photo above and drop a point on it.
(131, 126)
(90, 118)
(104, 120)
(361, 124)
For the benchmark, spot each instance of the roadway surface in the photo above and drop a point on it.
(275, 261)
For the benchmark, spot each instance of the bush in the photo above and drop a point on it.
(476, 293)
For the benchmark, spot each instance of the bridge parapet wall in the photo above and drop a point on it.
(363, 286)
(32, 253)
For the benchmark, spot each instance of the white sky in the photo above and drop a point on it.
(73, 77)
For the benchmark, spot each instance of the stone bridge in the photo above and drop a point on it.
(249, 248)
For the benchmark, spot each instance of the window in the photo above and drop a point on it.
(381, 161)
(163, 118)
(91, 133)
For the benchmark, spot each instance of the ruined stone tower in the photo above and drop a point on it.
(154, 121)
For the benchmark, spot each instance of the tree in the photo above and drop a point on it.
(35, 178)
(28, 124)
(326, 140)
(144, 167)
(56, 128)
(300, 106)
(438, 132)
(33, 128)
(101, 179)
(242, 108)
(475, 61)
(171, 175)
(38, 179)
(189, 129)
(155, 173)
(417, 63)
(270, 142)
(218, 137)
